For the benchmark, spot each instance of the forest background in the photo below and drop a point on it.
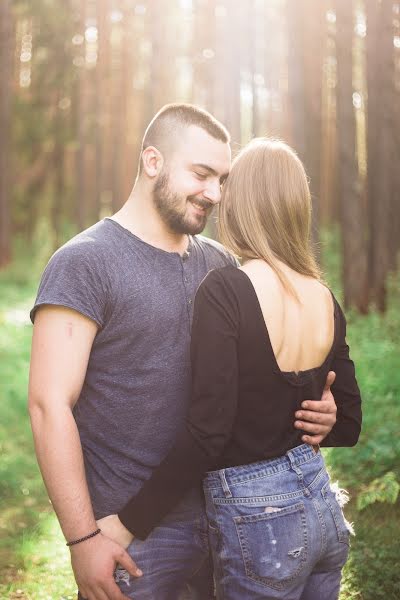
(80, 80)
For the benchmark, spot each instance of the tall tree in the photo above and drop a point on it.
(232, 71)
(395, 204)
(81, 108)
(306, 30)
(6, 54)
(296, 83)
(380, 81)
(315, 32)
(203, 53)
(102, 150)
(328, 201)
(352, 213)
(162, 63)
(255, 39)
(122, 81)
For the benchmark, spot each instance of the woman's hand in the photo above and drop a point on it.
(112, 527)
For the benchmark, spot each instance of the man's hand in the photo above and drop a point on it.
(94, 562)
(318, 416)
(112, 527)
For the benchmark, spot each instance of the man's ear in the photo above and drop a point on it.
(153, 161)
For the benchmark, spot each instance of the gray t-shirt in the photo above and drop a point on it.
(136, 389)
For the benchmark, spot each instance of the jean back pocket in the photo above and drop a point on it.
(274, 544)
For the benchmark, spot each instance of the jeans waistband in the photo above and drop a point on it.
(266, 468)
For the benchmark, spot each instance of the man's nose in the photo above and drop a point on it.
(213, 192)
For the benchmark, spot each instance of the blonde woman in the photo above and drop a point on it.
(264, 338)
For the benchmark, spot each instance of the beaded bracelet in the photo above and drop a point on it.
(83, 539)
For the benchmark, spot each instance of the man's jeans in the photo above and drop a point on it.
(175, 558)
(277, 530)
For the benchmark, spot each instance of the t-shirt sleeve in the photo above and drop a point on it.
(346, 392)
(211, 414)
(233, 260)
(74, 278)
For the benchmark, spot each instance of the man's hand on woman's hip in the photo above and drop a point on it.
(317, 417)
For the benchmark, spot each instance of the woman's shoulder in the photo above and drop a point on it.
(219, 279)
(222, 287)
(259, 270)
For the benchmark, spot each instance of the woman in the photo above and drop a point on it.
(264, 338)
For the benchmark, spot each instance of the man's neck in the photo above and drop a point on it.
(139, 216)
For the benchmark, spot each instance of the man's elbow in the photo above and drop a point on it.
(44, 408)
(36, 405)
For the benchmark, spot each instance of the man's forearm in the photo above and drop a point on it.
(60, 458)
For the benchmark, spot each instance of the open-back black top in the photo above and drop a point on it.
(242, 406)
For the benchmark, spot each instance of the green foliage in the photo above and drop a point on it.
(371, 470)
(371, 572)
(382, 489)
(374, 342)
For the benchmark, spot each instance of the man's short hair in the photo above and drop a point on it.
(173, 117)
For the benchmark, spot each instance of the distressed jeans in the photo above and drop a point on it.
(277, 529)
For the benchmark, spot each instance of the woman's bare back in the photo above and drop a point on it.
(301, 333)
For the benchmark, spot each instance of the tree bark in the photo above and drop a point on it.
(352, 214)
(6, 60)
(306, 27)
(380, 83)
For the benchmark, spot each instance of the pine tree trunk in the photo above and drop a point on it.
(380, 80)
(80, 97)
(6, 60)
(353, 223)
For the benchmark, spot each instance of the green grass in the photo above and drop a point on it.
(34, 562)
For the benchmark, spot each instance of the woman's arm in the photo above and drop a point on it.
(346, 392)
(211, 413)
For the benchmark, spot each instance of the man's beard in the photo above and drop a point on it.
(170, 209)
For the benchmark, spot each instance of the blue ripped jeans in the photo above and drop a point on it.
(277, 530)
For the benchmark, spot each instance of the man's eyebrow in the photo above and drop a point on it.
(210, 170)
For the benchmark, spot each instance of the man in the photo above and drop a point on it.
(110, 372)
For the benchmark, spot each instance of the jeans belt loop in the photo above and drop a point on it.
(224, 483)
(294, 466)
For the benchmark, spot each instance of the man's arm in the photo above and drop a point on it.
(61, 345)
(318, 416)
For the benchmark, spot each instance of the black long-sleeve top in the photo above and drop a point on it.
(242, 406)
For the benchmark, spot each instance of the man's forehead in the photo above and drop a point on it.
(201, 148)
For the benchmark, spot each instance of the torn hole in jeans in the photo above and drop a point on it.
(296, 552)
(121, 575)
(342, 498)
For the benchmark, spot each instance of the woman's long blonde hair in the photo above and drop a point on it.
(265, 209)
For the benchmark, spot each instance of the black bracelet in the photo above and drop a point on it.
(83, 539)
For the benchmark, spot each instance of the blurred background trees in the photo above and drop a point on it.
(80, 79)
